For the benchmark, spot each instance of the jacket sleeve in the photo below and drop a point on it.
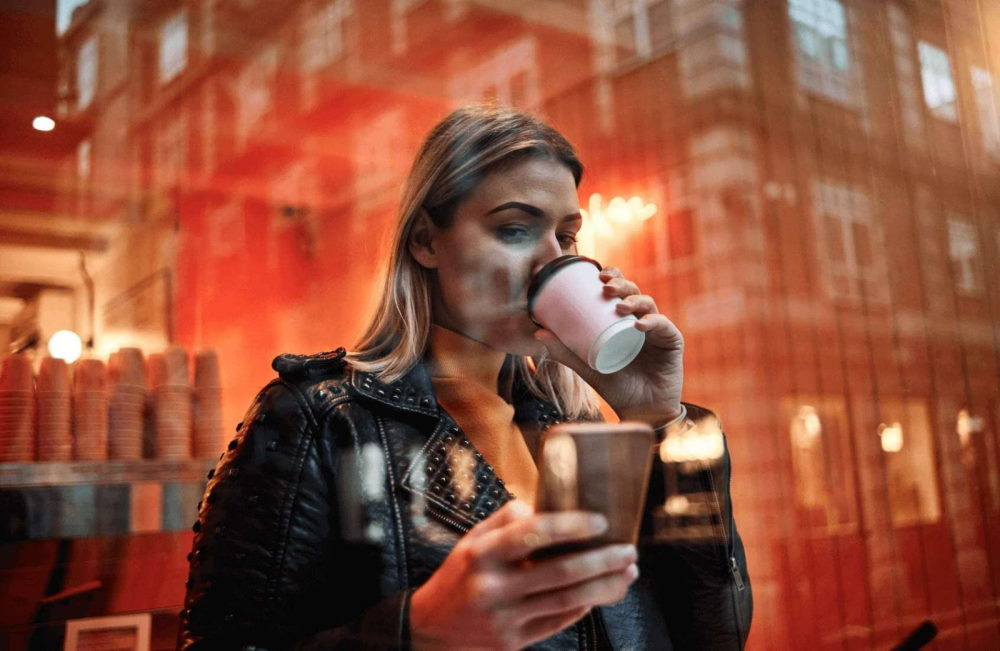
(702, 586)
(269, 568)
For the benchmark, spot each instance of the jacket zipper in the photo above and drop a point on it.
(737, 577)
(734, 569)
(458, 525)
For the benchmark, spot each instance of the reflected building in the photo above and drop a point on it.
(826, 176)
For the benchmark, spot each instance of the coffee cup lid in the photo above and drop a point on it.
(546, 272)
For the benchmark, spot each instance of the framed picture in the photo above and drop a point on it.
(118, 633)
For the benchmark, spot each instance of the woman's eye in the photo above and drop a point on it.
(513, 233)
(567, 240)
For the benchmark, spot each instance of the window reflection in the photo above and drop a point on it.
(826, 235)
(86, 73)
(963, 249)
(986, 106)
(821, 45)
(173, 46)
(848, 234)
(823, 464)
(907, 440)
(939, 87)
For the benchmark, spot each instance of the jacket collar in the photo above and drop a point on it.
(412, 393)
(457, 484)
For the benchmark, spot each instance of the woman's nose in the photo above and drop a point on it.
(548, 249)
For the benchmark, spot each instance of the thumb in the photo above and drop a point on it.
(560, 353)
(512, 511)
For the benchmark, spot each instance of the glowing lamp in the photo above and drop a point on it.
(617, 213)
(806, 427)
(43, 123)
(65, 345)
(702, 442)
(891, 437)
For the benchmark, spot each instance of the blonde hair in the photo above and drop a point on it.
(463, 148)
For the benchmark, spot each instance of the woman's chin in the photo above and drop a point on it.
(517, 338)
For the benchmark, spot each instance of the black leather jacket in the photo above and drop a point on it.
(337, 499)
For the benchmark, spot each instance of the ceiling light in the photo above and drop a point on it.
(43, 123)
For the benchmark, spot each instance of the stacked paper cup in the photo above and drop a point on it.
(207, 404)
(17, 406)
(172, 390)
(126, 404)
(90, 410)
(54, 418)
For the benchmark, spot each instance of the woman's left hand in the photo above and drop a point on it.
(649, 388)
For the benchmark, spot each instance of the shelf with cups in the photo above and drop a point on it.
(126, 410)
(106, 449)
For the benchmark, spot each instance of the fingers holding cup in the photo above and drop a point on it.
(638, 305)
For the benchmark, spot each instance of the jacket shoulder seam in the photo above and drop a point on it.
(291, 494)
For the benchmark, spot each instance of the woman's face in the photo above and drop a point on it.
(516, 219)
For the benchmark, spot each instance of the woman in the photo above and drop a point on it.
(369, 498)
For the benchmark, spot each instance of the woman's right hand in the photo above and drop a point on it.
(487, 595)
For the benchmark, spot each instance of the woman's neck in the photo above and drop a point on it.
(454, 355)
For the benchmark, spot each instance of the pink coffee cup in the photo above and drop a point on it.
(567, 297)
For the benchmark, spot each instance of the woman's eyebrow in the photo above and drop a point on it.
(534, 211)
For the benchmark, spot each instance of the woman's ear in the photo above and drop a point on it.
(421, 242)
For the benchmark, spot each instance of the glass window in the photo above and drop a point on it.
(939, 87)
(963, 249)
(83, 159)
(86, 72)
(399, 9)
(712, 46)
(907, 441)
(255, 84)
(819, 433)
(173, 46)
(986, 107)
(907, 85)
(823, 56)
(851, 266)
(507, 76)
(324, 35)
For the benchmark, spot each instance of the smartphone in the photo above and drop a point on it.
(599, 467)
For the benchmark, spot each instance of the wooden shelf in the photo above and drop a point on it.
(68, 473)
(81, 499)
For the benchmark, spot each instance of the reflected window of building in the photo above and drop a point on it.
(907, 444)
(255, 88)
(173, 41)
(324, 35)
(86, 72)
(822, 54)
(819, 435)
(939, 86)
(169, 154)
(907, 75)
(83, 160)
(507, 76)
(712, 50)
(640, 26)
(847, 237)
(986, 107)
(399, 10)
(963, 249)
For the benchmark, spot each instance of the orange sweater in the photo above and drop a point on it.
(464, 374)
